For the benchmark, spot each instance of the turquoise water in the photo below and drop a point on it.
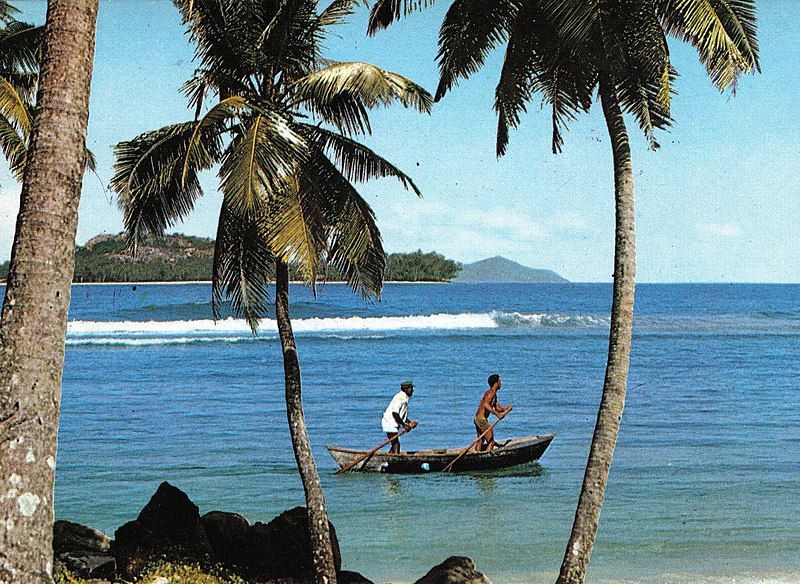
(705, 479)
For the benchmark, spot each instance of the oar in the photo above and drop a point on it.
(369, 453)
(476, 442)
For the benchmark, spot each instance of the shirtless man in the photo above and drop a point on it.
(488, 406)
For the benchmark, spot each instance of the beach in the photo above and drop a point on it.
(704, 478)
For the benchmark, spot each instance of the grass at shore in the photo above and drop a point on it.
(164, 573)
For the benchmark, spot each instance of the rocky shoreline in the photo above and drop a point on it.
(170, 529)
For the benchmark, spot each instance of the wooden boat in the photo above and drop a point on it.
(512, 453)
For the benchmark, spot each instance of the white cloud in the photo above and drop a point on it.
(569, 221)
(728, 229)
(9, 207)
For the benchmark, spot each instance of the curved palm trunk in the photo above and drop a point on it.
(324, 567)
(612, 402)
(34, 317)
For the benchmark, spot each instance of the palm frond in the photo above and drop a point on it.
(576, 22)
(385, 12)
(243, 266)
(722, 31)
(355, 249)
(7, 10)
(537, 61)
(368, 84)
(91, 161)
(297, 228)
(338, 11)
(642, 67)
(470, 30)
(196, 89)
(20, 48)
(212, 124)
(264, 154)
(226, 38)
(13, 108)
(14, 148)
(355, 161)
(150, 180)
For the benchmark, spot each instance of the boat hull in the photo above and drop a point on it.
(514, 452)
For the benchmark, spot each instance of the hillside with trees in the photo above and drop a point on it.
(176, 258)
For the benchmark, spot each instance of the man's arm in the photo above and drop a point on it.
(487, 405)
(405, 424)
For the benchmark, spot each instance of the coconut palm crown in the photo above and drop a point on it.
(283, 129)
(20, 48)
(562, 50)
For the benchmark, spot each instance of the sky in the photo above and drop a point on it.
(719, 202)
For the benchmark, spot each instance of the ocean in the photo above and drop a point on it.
(705, 480)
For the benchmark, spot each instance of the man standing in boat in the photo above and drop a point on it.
(488, 406)
(396, 415)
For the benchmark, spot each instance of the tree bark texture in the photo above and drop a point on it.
(612, 402)
(34, 316)
(324, 566)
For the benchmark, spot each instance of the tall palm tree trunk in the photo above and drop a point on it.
(612, 402)
(34, 318)
(324, 567)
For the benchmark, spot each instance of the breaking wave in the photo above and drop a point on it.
(134, 333)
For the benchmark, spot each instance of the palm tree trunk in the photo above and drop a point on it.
(34, 317)
(612, 402)
(324, 566)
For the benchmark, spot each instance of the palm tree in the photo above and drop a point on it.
(282, 130)
(20, 47)
(566, 50)
(34, 318)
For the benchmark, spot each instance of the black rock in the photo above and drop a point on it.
(226, 533)
(88, 566)
(347, 577)
(454, 570)
(132, 547)
(174, 523)
(282, 547)
(74, 537)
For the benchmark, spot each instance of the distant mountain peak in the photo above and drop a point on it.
(500, 269)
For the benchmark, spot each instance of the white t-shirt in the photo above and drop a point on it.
(399, 406)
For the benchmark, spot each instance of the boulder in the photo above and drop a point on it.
(454, 570)
(282, 547)
(174, 523)
(226, 533)
(74, 537)
(87, 566)
(347, 577)
(132, 546)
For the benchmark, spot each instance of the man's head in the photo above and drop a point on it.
(407, 387)
(494, 379)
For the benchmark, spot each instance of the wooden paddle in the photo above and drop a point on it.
(369, 453)
(476, 442)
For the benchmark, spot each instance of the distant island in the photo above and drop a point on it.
(176, 258)
(499, 269)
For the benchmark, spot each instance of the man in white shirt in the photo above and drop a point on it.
(396, 415)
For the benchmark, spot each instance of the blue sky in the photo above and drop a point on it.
(719, 202)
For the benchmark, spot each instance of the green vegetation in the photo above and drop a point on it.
(177, 258)
(165, 571)
(421, 267)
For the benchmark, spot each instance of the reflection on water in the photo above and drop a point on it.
(393, 487)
